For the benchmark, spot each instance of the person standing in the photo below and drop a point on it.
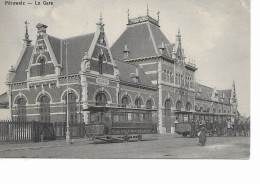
(202, 136)
(174, 126)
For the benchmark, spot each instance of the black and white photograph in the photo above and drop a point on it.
(128, 91)
(125, 79)
(160, 90)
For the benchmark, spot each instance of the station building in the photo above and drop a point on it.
(142, 71)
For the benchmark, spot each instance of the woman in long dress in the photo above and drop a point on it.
(202, 136)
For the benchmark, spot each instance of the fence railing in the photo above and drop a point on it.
(22, 132)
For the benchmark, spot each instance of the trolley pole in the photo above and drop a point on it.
(68, 140)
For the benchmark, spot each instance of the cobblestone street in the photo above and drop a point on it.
(154, 146)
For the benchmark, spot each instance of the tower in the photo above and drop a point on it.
(233, 99)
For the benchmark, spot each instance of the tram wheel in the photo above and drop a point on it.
(184, 134)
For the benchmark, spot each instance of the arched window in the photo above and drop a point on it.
(125, 101)
(21, 107)
(219, 110)
(196, 108)
(138, 103)
(214, 110)
(72, 104)
(101, 99)
(44, 109)
(201, 109)
(208, 109)
(178, 105)
(149, 104)
(188, 106)
(41, 66)
(168, 105)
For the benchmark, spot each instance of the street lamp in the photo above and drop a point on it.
(68, 140)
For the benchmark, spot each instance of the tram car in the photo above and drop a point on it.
(190, 123)
(119, 124)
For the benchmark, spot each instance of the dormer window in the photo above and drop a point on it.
(126, 52)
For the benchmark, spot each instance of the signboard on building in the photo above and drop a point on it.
(102, 81)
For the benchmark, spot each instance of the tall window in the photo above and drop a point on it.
(138, 103)
(178, 105)
(42, 67)
(72, 104)
(101, 99)
(44, 109)
(125, 101)
(196, 108)
(21, 107)
(100, 63)
(168, 105)
(149, 104)
(188, 106)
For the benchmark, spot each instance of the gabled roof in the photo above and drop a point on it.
(76, 48)
(20, 74)
(126, 70)
(205, 92)
(143, 40)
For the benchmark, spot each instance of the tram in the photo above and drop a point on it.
(117, 124)
(191, 122)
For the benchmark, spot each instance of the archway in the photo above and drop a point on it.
(21, 108)
(71, 103)
(44, 109)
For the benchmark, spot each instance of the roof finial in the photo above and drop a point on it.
(101, 19)
(158, 15)
(128, 14)
(147, 10)
(26, 29)
(179, 31)
(26, 37)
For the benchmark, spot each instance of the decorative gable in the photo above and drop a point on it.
(99, 59)
(43, 61)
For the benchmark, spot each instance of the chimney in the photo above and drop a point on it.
(41, 28)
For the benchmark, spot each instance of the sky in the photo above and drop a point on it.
(216, 34)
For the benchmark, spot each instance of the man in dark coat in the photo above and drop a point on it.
(202, 136)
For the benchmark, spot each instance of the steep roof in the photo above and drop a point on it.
(126, 70)
(143, 40)
(20, 74)
(4, 99)
(205, 92)
(76, 48)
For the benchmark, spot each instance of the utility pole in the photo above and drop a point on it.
(68, 140)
